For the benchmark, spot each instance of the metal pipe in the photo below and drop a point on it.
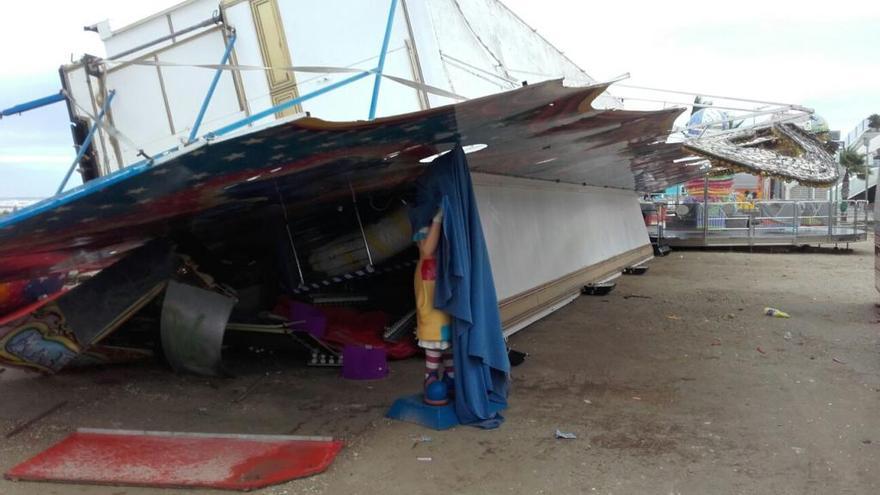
(287, 104)
(692, 93)
(87, 142)
(357, 215)
(419, 76)
(213, 20)
(705, 208)
(375, 99)
(867, 169)
(33, 104)
(211, 88)
(302, 280)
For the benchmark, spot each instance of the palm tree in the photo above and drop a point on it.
(852, 162)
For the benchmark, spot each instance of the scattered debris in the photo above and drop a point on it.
(565, 435)
(716, 342)
(776, 313)
(798, 450)
(250, 389)
(425, 459)
(636, 296)
(838, 361)
(673, 317)
(635, 397)
(786, 336)
(729, 316)
(27, 424)
(421, 439)
(587, 401)
(599, 289)
(635, 270)
(516, 357)
(762, 351)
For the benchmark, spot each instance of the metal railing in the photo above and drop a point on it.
(763, 223)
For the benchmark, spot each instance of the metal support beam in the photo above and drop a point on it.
(705, 208)
(357, 215)
(375, 100)
(287, 104)
(211, 88)
(88, 141)
(33, 104)
(207, 22)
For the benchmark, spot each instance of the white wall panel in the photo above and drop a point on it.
(193, 13)
(139, 110)
(247, 52)
(539, 231)
(79, 90)
(138, 35)
(340, 33)
(186, 87)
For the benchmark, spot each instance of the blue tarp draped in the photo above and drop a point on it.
(466, 290)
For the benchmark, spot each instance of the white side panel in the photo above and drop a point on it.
(538, 231)
(193, 13)
(494, 50)
(139, 110)
(343, 33)
(247, 52)
(186, 87)
(147, 30)
(143, 33)
(79, 89)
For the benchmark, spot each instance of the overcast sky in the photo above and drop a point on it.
(825, 55)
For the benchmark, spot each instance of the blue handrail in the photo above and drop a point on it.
(87, 142)
(33, 104)
(284, 106)
(211, 88)
(374, 101)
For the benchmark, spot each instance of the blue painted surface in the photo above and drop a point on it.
(465, 289)
(374, 101)
(84, 147)
(198, 123)
(412, 409)
(284, 106)
(33, 104)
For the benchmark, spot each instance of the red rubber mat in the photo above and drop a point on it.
(167, 459)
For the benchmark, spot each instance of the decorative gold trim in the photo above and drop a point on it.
(270, 32)
(520, 307)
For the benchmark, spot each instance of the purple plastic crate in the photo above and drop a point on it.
(364, 362)
(314, 320)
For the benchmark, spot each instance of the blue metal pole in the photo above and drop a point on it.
(30, 105)
(375, 100)
(211, 88)
(287, 104)
(87, 142)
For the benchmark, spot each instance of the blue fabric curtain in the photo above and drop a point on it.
(466, 290)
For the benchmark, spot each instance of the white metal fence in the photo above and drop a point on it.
(763, 222)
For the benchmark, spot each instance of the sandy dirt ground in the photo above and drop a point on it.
(675, 383)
